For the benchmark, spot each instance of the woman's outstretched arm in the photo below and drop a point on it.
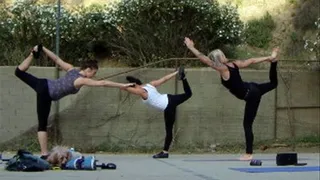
(100, 83)
(246, 63)
(65, 66)
(164, 79)
(203, 58)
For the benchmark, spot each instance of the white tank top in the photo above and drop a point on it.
(155, 99)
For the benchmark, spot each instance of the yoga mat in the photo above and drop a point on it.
(219, 160)
(278, 169)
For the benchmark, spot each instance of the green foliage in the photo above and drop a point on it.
(313, 44)
(306, 15)
(293, 1)
(151, 30)
(137, 31)
(258, 32)
(309, 139)
(25, 24)
(294, 36)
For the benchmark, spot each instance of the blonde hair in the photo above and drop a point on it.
(59, 155)
(217, 56)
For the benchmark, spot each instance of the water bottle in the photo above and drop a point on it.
(255, 162)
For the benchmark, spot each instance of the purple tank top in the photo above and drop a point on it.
(63, 86)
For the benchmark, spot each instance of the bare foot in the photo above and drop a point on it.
(274, 55)
(246, 157)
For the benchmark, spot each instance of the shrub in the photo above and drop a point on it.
(313, 44)
(150, 30)
(258, 32)
(138, 31)
(26, 23)
(306, 15)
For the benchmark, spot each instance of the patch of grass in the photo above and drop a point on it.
(311, 141)
(27, 142)
(119, 147)
(308, 139)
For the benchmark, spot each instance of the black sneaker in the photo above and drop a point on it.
(161, 155)
(36, 54)
(181, 73)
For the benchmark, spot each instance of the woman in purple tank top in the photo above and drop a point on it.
(251, 92)
(53, 90)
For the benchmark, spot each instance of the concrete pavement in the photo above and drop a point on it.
(177, 167)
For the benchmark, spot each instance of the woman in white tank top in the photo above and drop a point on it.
(164, 102)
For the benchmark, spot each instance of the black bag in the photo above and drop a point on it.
(26, 161)
(284, 159)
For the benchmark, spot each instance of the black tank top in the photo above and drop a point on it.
(235, 84)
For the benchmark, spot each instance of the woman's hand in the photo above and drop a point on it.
(188, 42)
(64, 65)
(129, 85)
(124, 86)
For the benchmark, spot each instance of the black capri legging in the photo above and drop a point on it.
(256, 91)
(170, 111)
(43, 97)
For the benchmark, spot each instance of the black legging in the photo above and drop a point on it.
(43, 97)
(170, 111)
(252, 103)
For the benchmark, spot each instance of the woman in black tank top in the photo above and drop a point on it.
(231, 79)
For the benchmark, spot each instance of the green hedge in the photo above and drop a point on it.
(136, 31)
(258, 32)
